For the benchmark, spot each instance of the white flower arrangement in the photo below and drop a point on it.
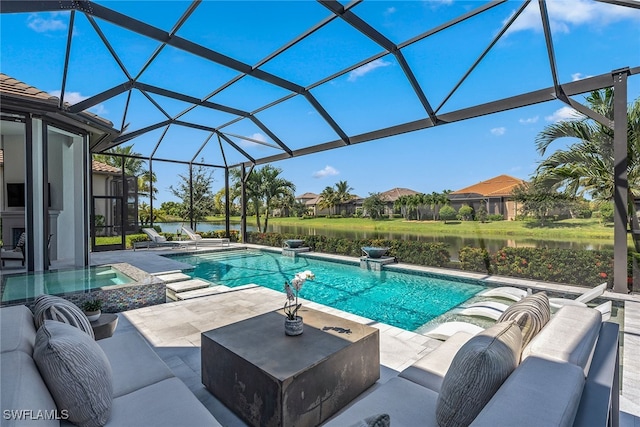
(292, 291)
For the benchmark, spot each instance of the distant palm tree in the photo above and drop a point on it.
(264, 188)
(328, 199)
(587, 165)
(343, 192)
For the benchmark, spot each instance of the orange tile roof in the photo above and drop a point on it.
(395, 193)
(501, 185)
(97, 166)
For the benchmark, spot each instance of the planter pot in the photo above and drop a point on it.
(93, 315)
(293, 327)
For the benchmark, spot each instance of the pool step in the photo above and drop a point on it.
(187, 285)
(173, 277)
(197, 293)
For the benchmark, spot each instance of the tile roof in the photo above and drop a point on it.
(14, 87)
(395, 193)
(307, 196)
(97, 166)
(501, 185)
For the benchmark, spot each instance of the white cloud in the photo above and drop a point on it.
(390, 10)
(578, 76)
(529, 120)
(499, 131)
(40, 24)
(367, 68)
(75, 97)
(564, 113)
(327, 171)
(563, 14)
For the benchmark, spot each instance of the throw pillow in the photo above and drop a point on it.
(530, 313)
(76, 371)
(379, 420)
(477, 371)
(50, 307)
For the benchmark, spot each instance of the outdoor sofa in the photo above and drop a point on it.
(566, 375)
(144, 390)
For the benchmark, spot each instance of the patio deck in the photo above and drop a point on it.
(174, 329)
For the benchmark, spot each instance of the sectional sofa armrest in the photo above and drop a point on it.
(600, 398)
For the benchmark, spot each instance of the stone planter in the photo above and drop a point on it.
(93, 315)
(293, 327)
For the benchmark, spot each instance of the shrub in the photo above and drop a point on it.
(475, 259)
(447, 213)
(606, 213)
(465, 213)
(495, 217)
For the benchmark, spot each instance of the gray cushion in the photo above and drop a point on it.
(50, 307)
(430, 370)
(476, 372)
(134, 364)
(379, 420)
(407, 403)
(16, 329)
(167, 403)
(76, 371)
(530, 313)
(22, 389)
(570, 336)
(539, 393)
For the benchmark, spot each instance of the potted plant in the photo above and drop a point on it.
(92, 309)
(293, 323)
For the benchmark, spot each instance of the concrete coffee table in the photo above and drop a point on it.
(270, 379)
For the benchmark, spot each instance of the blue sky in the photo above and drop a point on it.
(590, 38)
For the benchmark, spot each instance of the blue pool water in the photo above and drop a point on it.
(29, 285)
(404, 300)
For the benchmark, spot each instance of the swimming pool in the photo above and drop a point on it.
(19, 287)
(407, 301)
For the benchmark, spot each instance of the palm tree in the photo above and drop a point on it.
(587, 165)
(328, 198)
(272, 187)
(401, 203)
(343, 192)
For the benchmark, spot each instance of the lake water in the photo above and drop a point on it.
(455, 242)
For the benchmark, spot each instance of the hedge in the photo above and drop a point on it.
(580, 267)
(411, 252)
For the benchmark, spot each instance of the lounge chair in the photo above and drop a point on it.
(507, 292)
(445, 330)
(491, 309)
(155, 240)
(195, 237)
(581, 300)
(605, 309)
(15, 254)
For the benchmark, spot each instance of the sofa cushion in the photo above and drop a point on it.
(530, 313)
(406, 403)
(539, 393)
(133, 363)
(431, 369)
(17, 329)
(570, 336)
(477, 371)
(51, 307)
(76, 371)
(166, 403)
(22, 389)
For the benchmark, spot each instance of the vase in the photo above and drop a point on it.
(293, 327)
